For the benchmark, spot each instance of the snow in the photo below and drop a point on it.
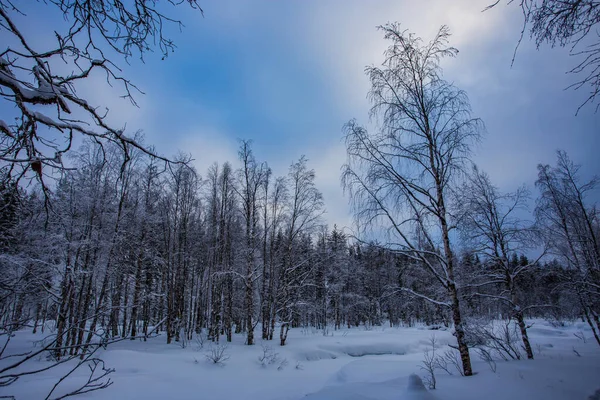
(354, 364)
(45, 92)
(7, 79)
(4, 126)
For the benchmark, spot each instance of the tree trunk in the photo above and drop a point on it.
(228, 317)
(524, 336)
(62, 312)
(125, 305)
(586, 313)
(459, 331)
(38, 306)
(97, 313)
(249, 312)
(285, 327)
(84, 313)
(136, 294)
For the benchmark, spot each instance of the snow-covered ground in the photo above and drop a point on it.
(349, 364)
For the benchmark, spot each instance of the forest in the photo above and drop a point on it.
(103, 240)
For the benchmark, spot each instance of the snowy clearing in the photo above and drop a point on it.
(349, 364)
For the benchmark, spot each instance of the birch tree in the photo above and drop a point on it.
(400, 176)
(571, 227)
(274, 202)
(305, 210)
(252, 178)
(491, 226)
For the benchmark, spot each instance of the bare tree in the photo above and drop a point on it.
(222, 208)
(490, 224)
(16, 366)
(180, 210)
(567, 23)
(571, 229)
(41, 84)
(305, 211)
(77, 247)
(400, 176)
(252, 178)
(273, 219)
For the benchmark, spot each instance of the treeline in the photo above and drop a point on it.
(125, 249)
(122, 248)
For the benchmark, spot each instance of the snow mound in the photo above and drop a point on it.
(338, 393)
(370, 349)
(547, 332)
(369, 370)
(416, 390)
(395, 389)
(316, 355)
(357, 349)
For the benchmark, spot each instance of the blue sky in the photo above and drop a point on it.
(289, 74)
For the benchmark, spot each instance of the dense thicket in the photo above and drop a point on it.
(124, 251)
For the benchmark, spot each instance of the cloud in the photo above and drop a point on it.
(342, 39)
(327, 163)
(288, 74)
(207, 146)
